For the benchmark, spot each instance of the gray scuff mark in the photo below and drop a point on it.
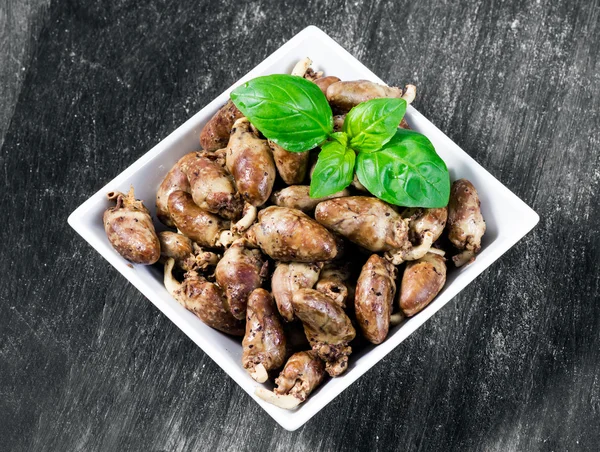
(17, 32)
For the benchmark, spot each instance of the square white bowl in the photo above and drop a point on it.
(508, 220)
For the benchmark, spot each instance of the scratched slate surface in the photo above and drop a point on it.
(86, 363)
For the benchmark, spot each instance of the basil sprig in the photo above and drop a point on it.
(398, 166)
(371, 124)
(334, 169)
(289, 110)
(406, 171)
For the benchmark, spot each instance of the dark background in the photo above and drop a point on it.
(86, 363)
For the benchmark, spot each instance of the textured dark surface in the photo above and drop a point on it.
(86, 363)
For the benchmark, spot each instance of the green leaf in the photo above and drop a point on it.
(291, 111)
(340, 137)
(406, 171)
(334, 170)
(372, 124)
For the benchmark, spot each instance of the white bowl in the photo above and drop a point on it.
(508, 220)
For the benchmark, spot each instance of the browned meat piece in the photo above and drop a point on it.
(297, 197)
(466, 225)
(425, 227)
(173, 181)
(178, 247)
(287, 279)
(202, 227)
(289, 235)
(130, 230)
(366, 221)
(250, 162)
(324, 82)
(215, 134)
(264, 342)
(334, 282)
(302, 373)
(327, 327)
(239, 272)
(212, 187)
(204, 299)
(344, 95)
(291, 166)
(374, 300)
(422, 281)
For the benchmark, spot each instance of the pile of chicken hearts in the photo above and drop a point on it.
(254, 256)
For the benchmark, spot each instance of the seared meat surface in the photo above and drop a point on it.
(287, 279)
(374, 300)
(263, 347)
(327, 328)
(366, 221)
(289, 235)
(465, 222)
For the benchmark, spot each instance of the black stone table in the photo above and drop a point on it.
(87, 363)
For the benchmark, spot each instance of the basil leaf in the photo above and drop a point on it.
(334, 170)
(340, 137)
(373, 123)
(287, 109)
(406, 171)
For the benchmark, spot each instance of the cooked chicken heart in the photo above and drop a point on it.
(287, 279)
(291, 166)
(366, 221)
(302, 373)
(212, 187)
(421, 282)
(202, 227)
(204, 299)
(178, 247)
(344, 95)
(264, 344)
(466, 225)
(289, 235)
(250, 162)
(297, 197)
(130, 230)
(327, 327)
(173, 181)
(374, 299)
(239, 272)
(215, 133)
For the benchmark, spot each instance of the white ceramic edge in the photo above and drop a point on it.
(293, 420)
